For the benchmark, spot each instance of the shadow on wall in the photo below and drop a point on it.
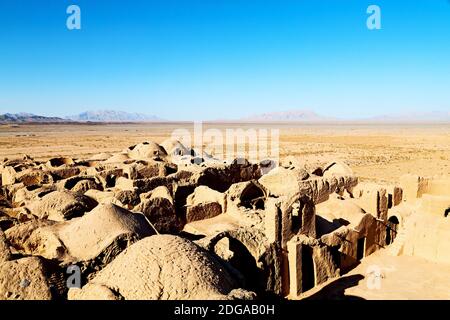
(336, 289)
(323, 226)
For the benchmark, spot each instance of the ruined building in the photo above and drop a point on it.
(167, 222)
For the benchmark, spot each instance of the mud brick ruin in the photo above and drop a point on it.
(165, 222)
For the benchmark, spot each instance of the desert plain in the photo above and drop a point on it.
(375, 152)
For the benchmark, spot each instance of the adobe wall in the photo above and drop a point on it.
(415, 186)
(427, 230)
(428, 237)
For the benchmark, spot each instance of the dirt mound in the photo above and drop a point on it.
(175, 148)
(99, 233)
(146, 150)
(61, 205)
(24, 279)
(19, 234)
(161, 267)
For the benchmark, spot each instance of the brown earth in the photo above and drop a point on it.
(377, 152)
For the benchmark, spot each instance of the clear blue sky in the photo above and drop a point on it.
(214, 59)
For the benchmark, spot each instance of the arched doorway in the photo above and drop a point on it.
(302, 215)
(391, 229)
(253, 197)
(245, 263)
(296, 216)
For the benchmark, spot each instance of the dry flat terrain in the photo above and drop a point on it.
(380, 152)
(126, 192)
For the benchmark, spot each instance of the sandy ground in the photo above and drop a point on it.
(381, 276)
(374, 151)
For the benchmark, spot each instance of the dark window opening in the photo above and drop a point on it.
(180, 195)
(32, 187)
(45, 192)
(110, 181)
(336, 256)
(308, 274)
(243, 261)
(391, 229)
(57, 162)
(447, 211)
(389, 201)
(388, 235)
(393, 220)
(279, 223)
(296, 216)
(296, 224)
(253, 197)
(259, 203)
(170, 170)
(360, 248)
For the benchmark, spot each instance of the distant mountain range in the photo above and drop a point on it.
(313, 117)
(27, 117)
(284, 116)
(91, 116)
(291, 115)
(112, 116)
